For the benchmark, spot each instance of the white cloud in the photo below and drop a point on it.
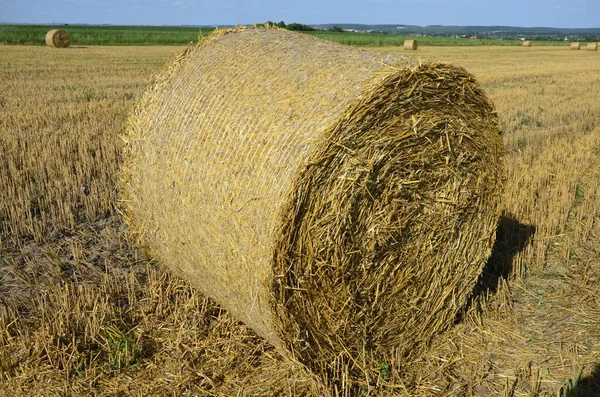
(557, 7)
(179, 3)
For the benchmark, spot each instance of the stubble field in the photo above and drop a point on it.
(83, 312)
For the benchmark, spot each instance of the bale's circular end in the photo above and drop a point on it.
(392, 221)
(58, 38)
(411, 44)
(527, 43)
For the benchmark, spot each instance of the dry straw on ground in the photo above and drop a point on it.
(58, 38)
(411, 44)
(527, 43)
(340, 204)
(575, 46)
(592, 47)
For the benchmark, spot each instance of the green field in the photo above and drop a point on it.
(102, 35)
(392, 40)
(171, 35)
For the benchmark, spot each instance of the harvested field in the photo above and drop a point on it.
(83, 312)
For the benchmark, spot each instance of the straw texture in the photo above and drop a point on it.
(592, 47)
(340, 204)
(575, 46)
(527, 43)
(411, 44)
(58, 38)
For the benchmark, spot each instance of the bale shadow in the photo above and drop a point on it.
(511, 238)
(588, 386)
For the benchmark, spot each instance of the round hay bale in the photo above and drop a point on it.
(411, 44)
(527, 43)
(575, 46)
(339, 203)
(592, 47)
(58, 38)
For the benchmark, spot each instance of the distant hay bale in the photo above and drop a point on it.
(527, 43)
(411, 44)
(592, 47)
(339, 203)
(58, 38)
(575, 46)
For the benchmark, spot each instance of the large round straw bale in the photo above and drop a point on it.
(575, 46)
(339, 203)
(411, 44)
(592, 47)
(527, 43)
(58, 38)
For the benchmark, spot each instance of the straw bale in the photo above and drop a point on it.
(339, 203)
(527, 43)
(575, 46)
(58, 38)
(411, 44)
(592, 47)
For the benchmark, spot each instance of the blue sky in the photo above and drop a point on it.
(550, 13)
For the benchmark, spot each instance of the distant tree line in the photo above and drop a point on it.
(299, 27)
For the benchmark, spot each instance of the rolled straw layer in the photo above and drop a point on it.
(58, 38)
(339, 204)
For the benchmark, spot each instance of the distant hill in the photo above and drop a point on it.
(491, 32)
(484, 31)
